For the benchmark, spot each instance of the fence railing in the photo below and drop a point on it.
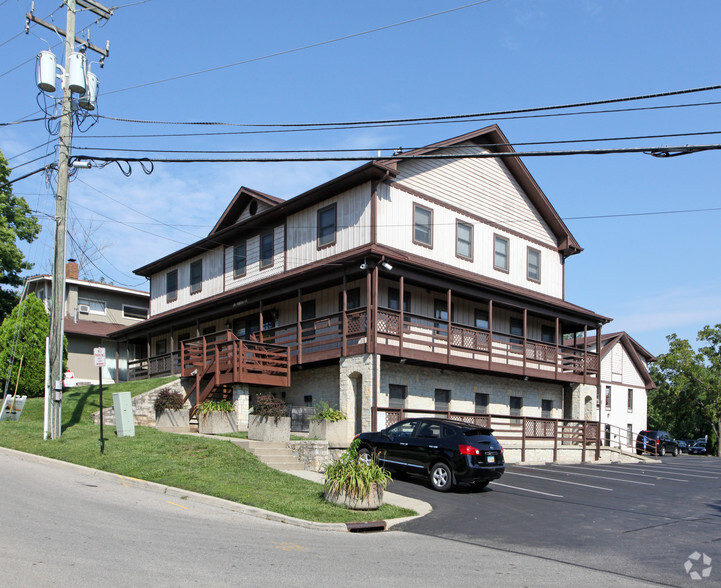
(507, 428)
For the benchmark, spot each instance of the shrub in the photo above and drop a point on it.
(353, 477)
(269, 406)
(168, 399)
(325, 412)
(214, 406)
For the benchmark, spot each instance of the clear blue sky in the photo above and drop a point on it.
(655, 274)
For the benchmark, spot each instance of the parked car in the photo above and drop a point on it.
(656, 443)
(444, 451)
(698, 449)
(682, 445)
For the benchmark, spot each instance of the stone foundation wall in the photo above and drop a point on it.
(143, 407)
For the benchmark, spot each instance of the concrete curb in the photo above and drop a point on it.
(219, 502)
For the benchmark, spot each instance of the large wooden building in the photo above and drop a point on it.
(433, 280)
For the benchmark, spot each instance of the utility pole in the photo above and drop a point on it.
(57, 329)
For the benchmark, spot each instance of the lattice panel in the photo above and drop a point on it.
(388, 323)
(357, 324)
(539, 429)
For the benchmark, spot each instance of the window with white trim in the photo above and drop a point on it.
(135, 312)
(171, 286)
(93, 306)
(534, 265)
(327, 221)
(196, 276)
(464, 240)
(266, 250)
(239, 259)
(422, 225)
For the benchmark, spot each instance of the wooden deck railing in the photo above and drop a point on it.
(508, 428)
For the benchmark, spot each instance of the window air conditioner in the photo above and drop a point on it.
(84, 308)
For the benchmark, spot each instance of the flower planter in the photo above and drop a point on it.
(173, 421)
(217, 423)
(335, 432)
(373, 501)
(268, 429)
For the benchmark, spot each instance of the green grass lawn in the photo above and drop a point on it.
(209, 466)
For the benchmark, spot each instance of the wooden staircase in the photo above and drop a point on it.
(220, 360)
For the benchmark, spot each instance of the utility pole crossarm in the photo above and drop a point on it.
(31, 17)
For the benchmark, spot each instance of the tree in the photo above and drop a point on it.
(688, 397)
(22, 336)
(16, 223)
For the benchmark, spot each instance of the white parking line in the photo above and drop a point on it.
(592, 476)
(598, 469)
(527, 490)
(558, 481)
(671, 470)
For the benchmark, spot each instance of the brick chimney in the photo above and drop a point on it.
(72, 269)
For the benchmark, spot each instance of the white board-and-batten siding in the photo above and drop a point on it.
(253, 271)
(483, 187)
(395, 229)
(618, 367)
(353, 227)
(211, 285)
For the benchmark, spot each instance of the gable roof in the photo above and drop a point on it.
(493, 139)
(239, 203)
(638, 354)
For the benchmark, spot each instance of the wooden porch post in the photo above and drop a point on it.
(368, 313)
(374, 308)
(299, 329)
(598, 387)
(401, 320)
(525, 338)
(260, 320)
(558, 332)
(449, 305)
(490, 333)
(344, 317)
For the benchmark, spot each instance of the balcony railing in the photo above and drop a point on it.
(410, 336)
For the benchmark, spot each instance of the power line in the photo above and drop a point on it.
(303, 48)
(454, 117)
(376, 149)
(410, 124)
(663, 151)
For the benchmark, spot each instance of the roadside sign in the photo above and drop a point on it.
(99, 355)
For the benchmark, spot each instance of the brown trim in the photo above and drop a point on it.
(469, 215)
(285, 246)
(430, 228)
(318, 212)
(507, 269)
(458, 255)
(528, 265)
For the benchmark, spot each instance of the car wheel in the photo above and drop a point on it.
(675, 452)
(661, 451)
(364, 456)
(441, 477)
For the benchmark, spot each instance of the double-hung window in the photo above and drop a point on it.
(240, 260)
(266, 250)
(394, 299)
(500, 253)
(422, 226)
(464, 240)
(327, 221)
(171, 286)
(196, 276)
(534, 265)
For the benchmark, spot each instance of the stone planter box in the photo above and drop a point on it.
(173, 421)
(217, 423)
(267, 429)
(372, 502)
(335, 432)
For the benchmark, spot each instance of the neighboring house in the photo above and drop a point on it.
(432, 281)
(93, 310)
(625, 380)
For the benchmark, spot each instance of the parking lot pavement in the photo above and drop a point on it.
(641, 521)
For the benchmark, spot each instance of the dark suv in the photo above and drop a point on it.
(445, 452)
(656, 443)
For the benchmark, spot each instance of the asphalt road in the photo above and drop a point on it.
(641, 521)
(65, 526)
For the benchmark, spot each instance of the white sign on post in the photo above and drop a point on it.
(99, 355)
